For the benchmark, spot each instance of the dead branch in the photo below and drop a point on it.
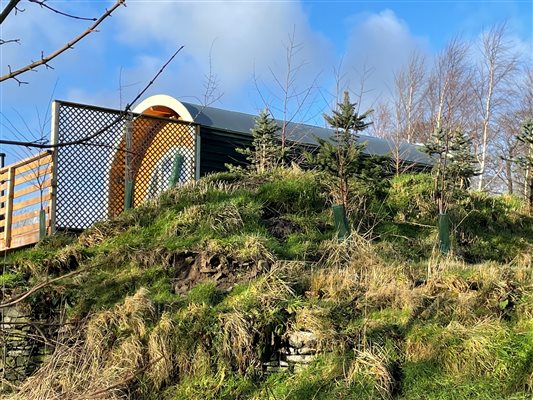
(40, 286)
(46, 59)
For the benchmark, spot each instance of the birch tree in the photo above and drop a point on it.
(449, 88)
(409, 85)
(495, 70)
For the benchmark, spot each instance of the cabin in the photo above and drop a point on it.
(106, 161)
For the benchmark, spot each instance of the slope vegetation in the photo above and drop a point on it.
(204, 292)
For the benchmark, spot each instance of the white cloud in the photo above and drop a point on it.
(382, 43)
(241, 37)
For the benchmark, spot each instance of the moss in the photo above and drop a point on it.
(11, 280)
(205, 293)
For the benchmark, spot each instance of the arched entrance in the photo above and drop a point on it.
(162, 137)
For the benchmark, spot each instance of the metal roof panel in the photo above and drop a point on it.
(234, 121)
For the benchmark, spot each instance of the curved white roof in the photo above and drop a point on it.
(233, 121)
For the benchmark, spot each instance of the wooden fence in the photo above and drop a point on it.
(26, 201)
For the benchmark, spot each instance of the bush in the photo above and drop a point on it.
(410, 197)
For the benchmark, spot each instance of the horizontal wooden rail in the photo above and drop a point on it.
(36, 176)
(26, 161)
(25, 193)
(23, 217)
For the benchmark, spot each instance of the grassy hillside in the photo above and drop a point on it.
(188, 296)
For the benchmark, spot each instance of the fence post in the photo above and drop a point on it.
(198, 141)
(9, 206)
(2, 192)
(177, 166)
(54, 139)
(128, 178)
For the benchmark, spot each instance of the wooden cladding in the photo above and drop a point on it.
(26, 194)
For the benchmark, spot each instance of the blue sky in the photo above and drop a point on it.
(243, 39)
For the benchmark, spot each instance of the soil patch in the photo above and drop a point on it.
(187, 269)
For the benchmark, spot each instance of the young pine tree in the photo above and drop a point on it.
(265, 153)
(341, 155)
(454, 167)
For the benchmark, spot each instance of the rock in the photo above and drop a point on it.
(300, 359)
(271, 363)
(307, 350)
(301, 339)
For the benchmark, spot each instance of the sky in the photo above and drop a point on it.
(241, 45)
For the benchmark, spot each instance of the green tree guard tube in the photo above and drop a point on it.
(341, 222)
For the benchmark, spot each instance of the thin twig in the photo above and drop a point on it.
(2, 41)
(128, 107)
(42, 3)
(120, 117)
(39, 287)
(10, 6)
(46, 59)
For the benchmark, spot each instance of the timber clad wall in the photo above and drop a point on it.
(218, 148)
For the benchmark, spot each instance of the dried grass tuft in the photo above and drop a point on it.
(238, 334)
(100, 361)
(371, 365)
(160, 352)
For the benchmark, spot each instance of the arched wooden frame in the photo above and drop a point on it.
(149, 141)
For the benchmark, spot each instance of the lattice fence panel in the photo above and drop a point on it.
(91, 176)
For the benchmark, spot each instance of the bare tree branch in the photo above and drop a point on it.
(5, 12)
(46, 59)
(2, 41)
(38, 287)
(38, 144)
(42, 3)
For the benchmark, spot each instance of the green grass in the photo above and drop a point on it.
(393, 318)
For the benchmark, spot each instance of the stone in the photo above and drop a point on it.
(21, 361)
(300, 359)
(306, 350)
(271, 363)
(301, 339)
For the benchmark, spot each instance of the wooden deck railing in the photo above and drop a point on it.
(26, 201)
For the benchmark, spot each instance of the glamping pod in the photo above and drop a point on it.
(108, 160)
(222, 132)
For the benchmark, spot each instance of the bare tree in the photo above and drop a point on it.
(497, 66)
(449, 89)
(288, 101)
(382, 124)
(410, 85)
(508, 148)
